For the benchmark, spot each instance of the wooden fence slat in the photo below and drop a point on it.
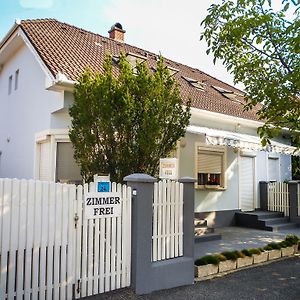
(176, 231)
(180, 242)
(44, 239)
(172, 217)
(168, 217)
(78, 245)
(13, 245)
(29, 238)
(22, 238)
(64, 239)
(71, 241)
(51, 237)
(128, 238)
(90, 250)
(57, 240)
(84, 253)
(119, 244)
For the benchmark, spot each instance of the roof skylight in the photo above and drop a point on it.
(228, 94)
(195, 83)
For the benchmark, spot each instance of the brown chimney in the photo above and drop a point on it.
(117, 33)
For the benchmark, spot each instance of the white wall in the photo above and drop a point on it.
(23, 113)
(208, 200)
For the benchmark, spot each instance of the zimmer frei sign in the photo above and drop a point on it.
(102, 205)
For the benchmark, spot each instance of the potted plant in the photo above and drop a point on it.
(259, 255)
(289, 245)
(245, 258)
(206, 265)
(230, 261)
(274, 250)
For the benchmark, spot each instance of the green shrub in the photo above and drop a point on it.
(246, 252)
(284, 244)
(221, 257)
(291, 238)
(255, 251)
(230, 255)
(273, 246)
(206, 260)
(261, 249)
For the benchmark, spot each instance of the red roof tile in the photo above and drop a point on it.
(67, 49)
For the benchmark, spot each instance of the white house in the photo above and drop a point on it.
(41, 59)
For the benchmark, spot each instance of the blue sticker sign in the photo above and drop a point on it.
(103, 187)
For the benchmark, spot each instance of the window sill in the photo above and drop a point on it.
(210, 187)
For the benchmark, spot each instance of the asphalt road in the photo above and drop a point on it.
(278, 280)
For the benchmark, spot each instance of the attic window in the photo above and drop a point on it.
(115, 59)
(228, 94)
(195, 83)
(172, 71)
(134, 59)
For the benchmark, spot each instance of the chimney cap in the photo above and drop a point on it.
(117, 26)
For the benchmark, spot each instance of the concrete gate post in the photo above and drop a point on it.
(293, 199)
(148, 276)
(263, 195)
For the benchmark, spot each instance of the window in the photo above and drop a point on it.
(233, 96)
(273, 168)
(10, 79)
(195, 83)
(66, 168)
(135, 59)
(210, 166)
(16, 79)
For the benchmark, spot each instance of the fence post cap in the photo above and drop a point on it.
(139, 177)
(294, 181)
(187, 180)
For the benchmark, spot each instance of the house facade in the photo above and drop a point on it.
(40, 60)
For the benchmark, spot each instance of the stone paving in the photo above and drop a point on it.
(237, 238)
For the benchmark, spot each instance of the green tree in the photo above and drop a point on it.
(125, 120)
(260, 46)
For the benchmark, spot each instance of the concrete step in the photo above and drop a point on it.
(281, 226)
(208, 237)
(271, 221)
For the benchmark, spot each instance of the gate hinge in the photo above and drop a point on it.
(76, 218)
(78, 289)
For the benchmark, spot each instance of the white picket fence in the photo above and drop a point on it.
(167, 239)
(46, 246)
(37, 239)
(278, 197)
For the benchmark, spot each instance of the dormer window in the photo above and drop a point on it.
(195, 83)
(228, 94)
(135, 59)
(172, 70)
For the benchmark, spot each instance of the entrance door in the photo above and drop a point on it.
(247, 183)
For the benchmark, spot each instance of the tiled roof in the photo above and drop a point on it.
(69, 50)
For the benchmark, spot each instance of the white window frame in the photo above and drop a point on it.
(54, 136)
(208, 148)
(273, 156)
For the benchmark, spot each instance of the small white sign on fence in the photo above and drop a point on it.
(102, 205)
(168, 168)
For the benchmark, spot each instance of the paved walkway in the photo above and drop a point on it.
(237, 238)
